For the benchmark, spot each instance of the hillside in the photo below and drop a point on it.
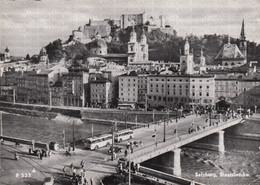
(161, 46)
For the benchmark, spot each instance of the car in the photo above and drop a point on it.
(48, 181)
(116, 150)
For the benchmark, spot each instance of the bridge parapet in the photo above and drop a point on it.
(151, 151)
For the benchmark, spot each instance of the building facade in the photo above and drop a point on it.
(180, 90)
(101, 93)
(132, 19)
(128, 88)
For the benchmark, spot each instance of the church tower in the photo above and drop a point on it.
(132, 47)
(202, 59)
(143, 47)
(186, 60)
(243, 42)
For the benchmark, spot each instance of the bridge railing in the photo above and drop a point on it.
(173, 141)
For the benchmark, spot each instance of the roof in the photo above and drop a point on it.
(132, 73)
(184, 75)
(100, 80)
(230, 52)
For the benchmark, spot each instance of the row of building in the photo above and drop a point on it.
(100, 83)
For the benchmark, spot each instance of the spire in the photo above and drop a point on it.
(242, 34)
(186, 46)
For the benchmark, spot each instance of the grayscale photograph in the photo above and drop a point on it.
(129, 92)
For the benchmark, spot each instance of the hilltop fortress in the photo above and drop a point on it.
(89, 31)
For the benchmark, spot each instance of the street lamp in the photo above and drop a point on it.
(164, 130)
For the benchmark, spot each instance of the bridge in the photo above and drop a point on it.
(171, 136)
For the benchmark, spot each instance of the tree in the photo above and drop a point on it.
(27, 57)
(55, 51)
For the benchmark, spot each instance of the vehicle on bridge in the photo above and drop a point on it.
(123, 135)
(126, 106)
(97, 142)
(115, 149)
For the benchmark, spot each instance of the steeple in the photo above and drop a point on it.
(242, 34)
(243, 42)
(202, 58)
(133, 35)
(186, 47)
(143, 37)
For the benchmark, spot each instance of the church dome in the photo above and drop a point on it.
(98, 43)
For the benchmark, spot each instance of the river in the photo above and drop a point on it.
(242, 157)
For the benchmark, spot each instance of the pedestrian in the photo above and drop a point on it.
(91, 181)
(72, 167)
(127, 145)
(16, 156)
(64, 171)
(101, 182)
(125, 153)
(132, 149)
(120, 168)
(140, 143)
(137, 167)
(192, 182)
(82, 164)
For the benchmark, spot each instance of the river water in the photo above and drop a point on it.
(242, 157)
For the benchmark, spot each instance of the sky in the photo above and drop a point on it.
(28, 25)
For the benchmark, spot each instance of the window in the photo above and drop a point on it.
(180, 80)
(193, 86)
(207, 87)
(200, 94)
(193, 93)
(180, 86)
(201, 87)
(186, 87)
(207, 94)
(154, 98)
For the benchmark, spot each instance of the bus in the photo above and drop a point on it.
(123, 135)
(97, 142)
(126, 106)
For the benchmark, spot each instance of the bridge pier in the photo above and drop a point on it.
(177, 162)
(221, 146)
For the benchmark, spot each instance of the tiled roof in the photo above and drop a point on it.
(229, 51)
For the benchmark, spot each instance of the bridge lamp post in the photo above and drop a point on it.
(164, 130)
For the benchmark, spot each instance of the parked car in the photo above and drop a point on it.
(48, 181)
(116, 150)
